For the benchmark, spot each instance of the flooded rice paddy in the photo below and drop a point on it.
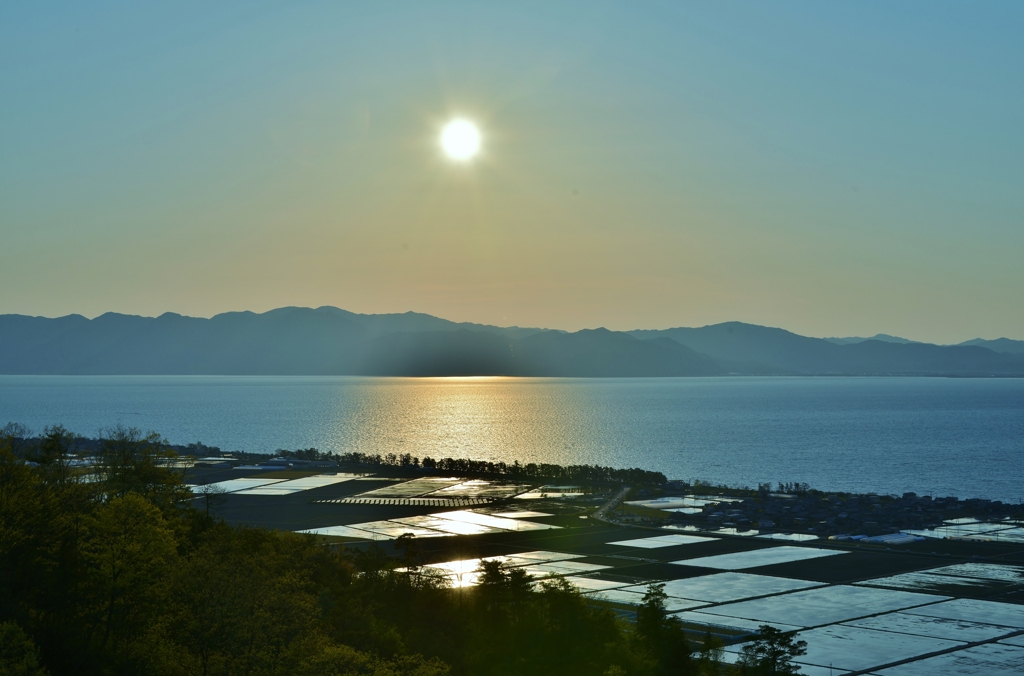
(902, 624)
(905, 622)
(758, 557)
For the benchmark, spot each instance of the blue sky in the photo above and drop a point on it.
(832, 168)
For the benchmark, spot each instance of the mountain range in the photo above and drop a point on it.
(331, 341)
(997, 345)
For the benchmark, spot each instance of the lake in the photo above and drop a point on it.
(934, 436)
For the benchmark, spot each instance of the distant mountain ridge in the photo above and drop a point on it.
(331, 341)
(884, 337)
(326, 341)
(788, 352)
(998, 345)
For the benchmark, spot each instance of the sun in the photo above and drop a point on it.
(460, 140)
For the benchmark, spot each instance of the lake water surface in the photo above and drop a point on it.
(934, 436)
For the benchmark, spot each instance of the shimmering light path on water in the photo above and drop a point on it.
(934, 436)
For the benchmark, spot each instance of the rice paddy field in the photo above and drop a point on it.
(956, 608)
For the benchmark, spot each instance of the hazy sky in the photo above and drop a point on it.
(831, 168)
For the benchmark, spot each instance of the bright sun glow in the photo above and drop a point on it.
(460, 140)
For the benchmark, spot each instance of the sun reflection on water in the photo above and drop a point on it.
(493, 418)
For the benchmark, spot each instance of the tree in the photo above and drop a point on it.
(342, 660)
(211, 494)
(18, 654)
(55, 454)
(128, 550)
(130, 462)
(520, 592)
(772, 652)
(242, 602)
(27, 523)
(662, 634)
(492, 590)
(572, 635)
(406, 543)
(709, 659)
(651, 617)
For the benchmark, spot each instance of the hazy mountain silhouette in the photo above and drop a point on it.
(789, 352)
(600, 352)
(884, 337)
(326, 341)
(329, 341)
(998, 345)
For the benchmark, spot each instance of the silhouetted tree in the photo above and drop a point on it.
(709, 658)
(772, 652)
(662, 634)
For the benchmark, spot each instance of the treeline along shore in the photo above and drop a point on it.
(405, 462)
(485, 468)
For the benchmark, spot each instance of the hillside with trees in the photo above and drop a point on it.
(116, 572)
